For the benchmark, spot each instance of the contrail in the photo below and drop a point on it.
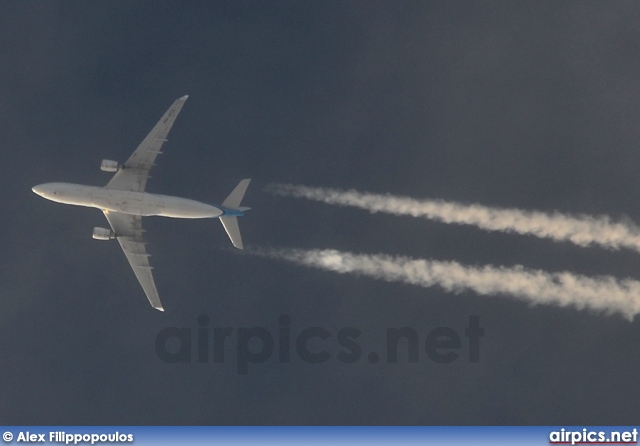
(583, 230)
(605, 294)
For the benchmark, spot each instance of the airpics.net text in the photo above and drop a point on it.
(312, 345)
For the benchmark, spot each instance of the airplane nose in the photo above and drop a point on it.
(37, 190)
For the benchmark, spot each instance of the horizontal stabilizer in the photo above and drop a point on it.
(230, 224)
(235, 197)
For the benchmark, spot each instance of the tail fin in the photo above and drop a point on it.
(230, 222)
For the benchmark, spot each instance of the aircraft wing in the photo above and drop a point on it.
(135, 172)
(128, 230)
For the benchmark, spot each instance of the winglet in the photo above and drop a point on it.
(159, 309)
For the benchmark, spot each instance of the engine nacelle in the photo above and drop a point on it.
(110, 166)
(103, 234)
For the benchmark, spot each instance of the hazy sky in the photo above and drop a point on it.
(507, 104)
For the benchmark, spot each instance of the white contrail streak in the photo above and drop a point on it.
(582, 230)
(604, 294)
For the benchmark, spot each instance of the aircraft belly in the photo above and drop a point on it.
(119, 201)
(145, 204)
(184, 208)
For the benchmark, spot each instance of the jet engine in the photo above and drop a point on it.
(103, 234)
(110, 166)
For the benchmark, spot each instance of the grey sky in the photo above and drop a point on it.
(507, 104)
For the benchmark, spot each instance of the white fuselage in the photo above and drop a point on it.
(126, 202)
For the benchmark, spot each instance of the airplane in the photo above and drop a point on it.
(124, 202)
